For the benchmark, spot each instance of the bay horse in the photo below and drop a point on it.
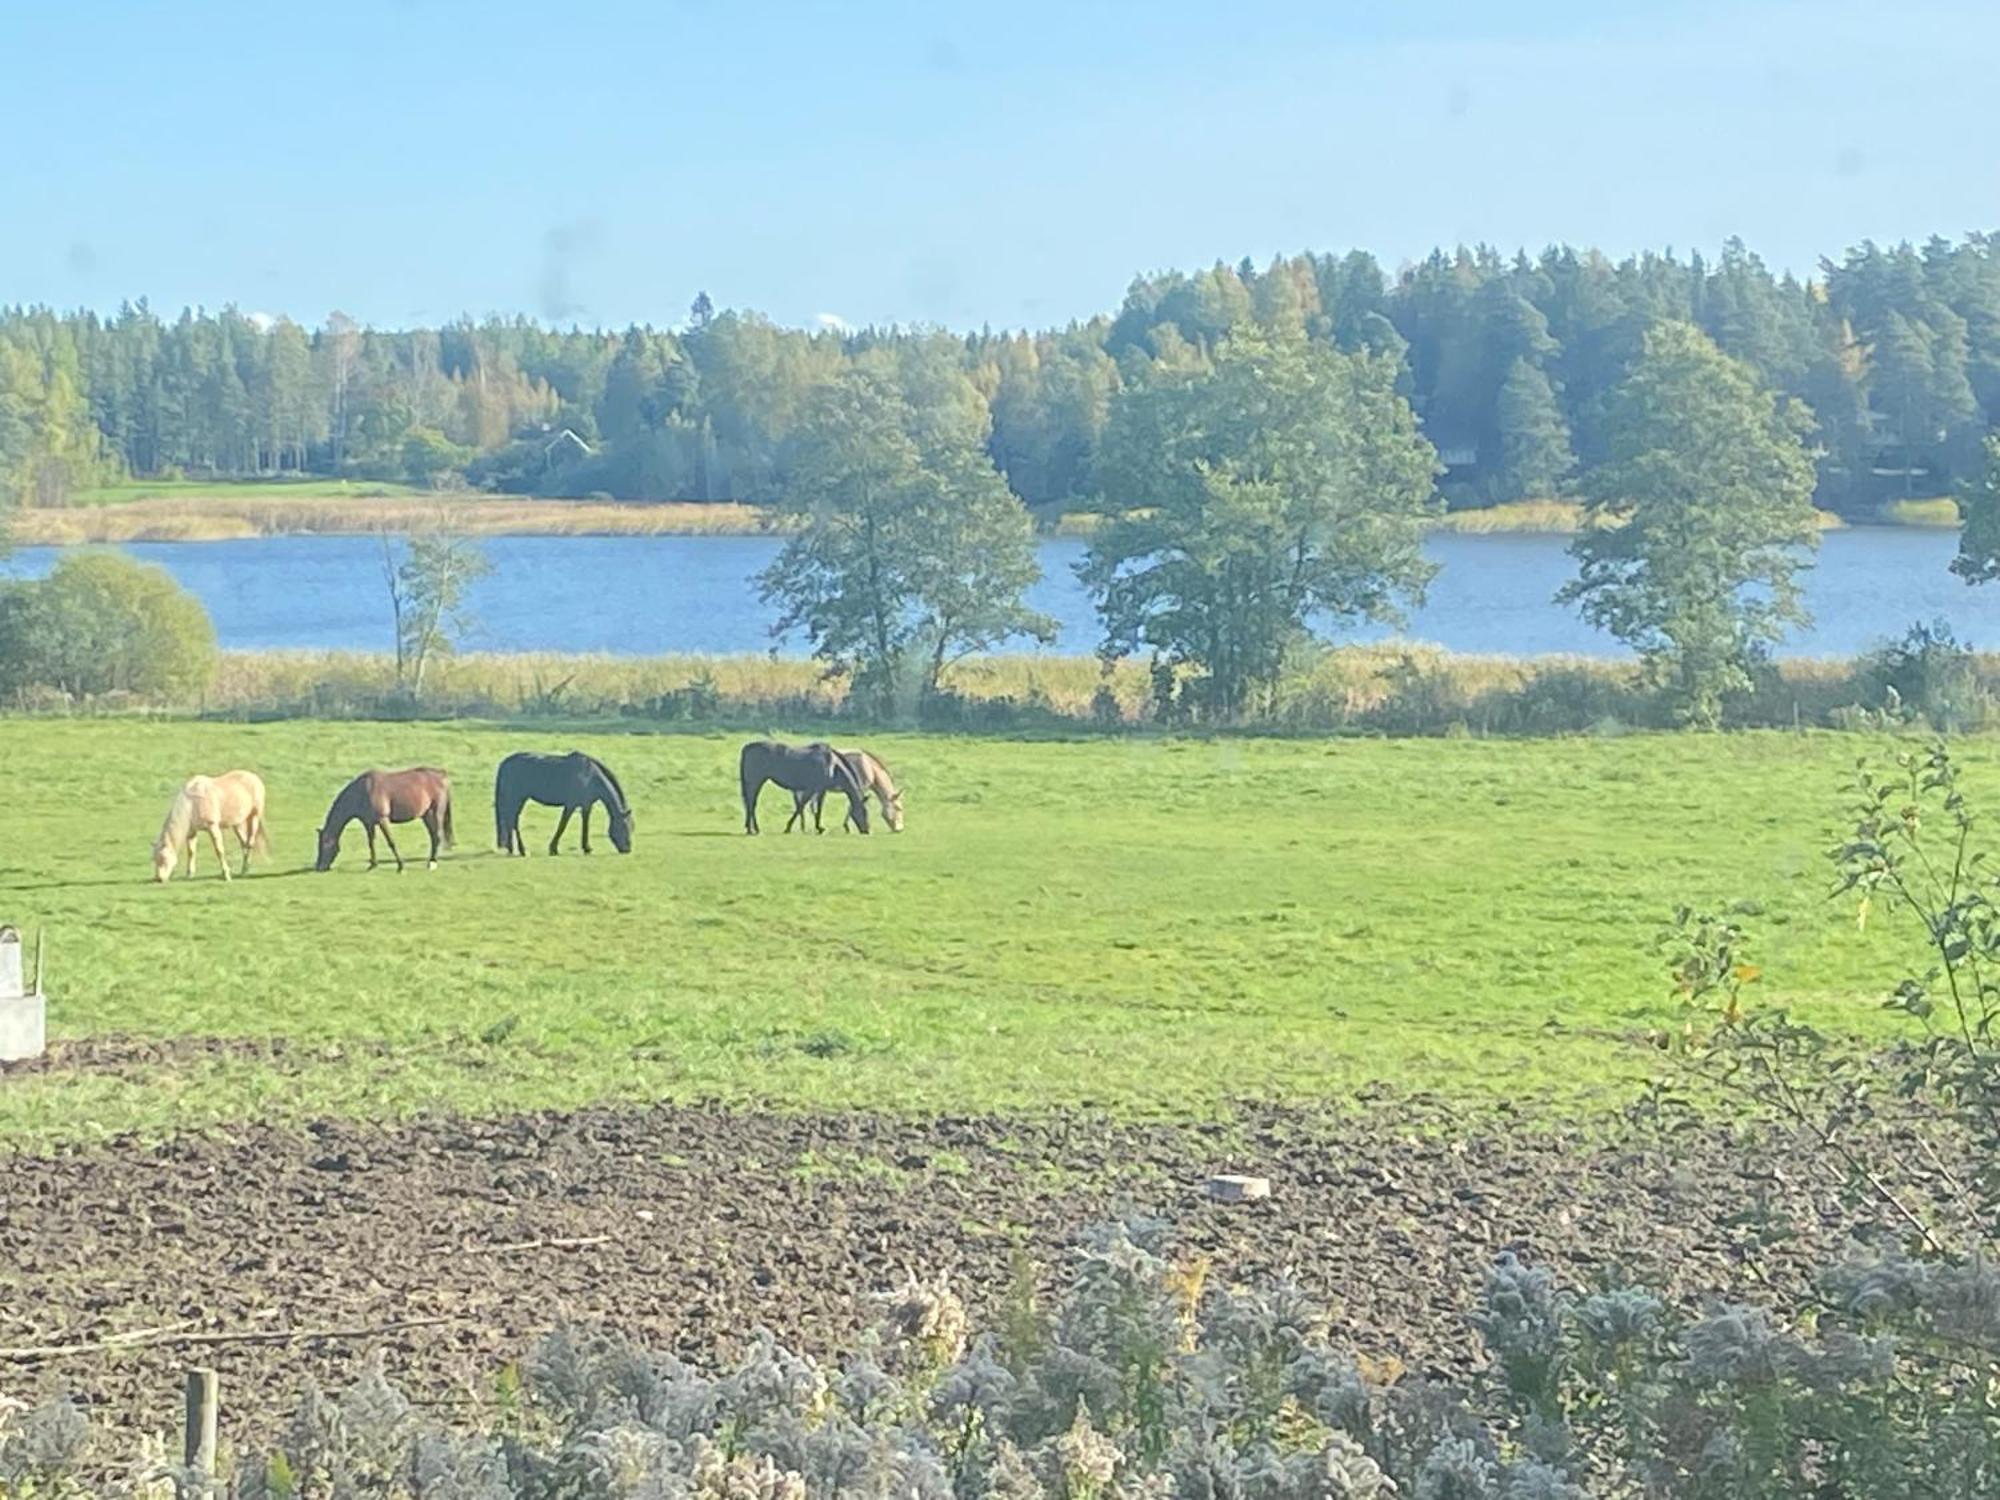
(807, 772)
(874, 777)
(379, 798)
(209, 804)
(574, 782)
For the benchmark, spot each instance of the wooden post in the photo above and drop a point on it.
(199, 1449)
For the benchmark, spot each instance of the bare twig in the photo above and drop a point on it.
(153, 1338)
(518, 1245)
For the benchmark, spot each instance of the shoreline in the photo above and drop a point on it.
(250, 517)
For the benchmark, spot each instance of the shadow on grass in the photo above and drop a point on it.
(122, 881)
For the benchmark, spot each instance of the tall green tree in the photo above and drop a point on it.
(1697, 520)
(1270, 491)
(1978, 559)
(912, 553)
(1535, 456)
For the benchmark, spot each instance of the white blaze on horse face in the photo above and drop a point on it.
(163, 862)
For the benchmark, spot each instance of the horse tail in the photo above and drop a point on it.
(444, 814)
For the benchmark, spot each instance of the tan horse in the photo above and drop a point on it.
(233, 800)
(870, 775)
(874, 777)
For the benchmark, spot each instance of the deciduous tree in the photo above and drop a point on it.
(1697, 520)
(911, 554)
(1275, 489)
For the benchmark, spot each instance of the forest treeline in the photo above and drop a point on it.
(1507, 362)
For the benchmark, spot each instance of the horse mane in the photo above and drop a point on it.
(879, 778)
(611, 781)
(180, 820)
(855, 776)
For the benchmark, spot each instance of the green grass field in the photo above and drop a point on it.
(1136, 924)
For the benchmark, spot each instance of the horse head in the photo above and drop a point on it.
(892, 812)
(621, 828)
(163, 861)
(329, 848)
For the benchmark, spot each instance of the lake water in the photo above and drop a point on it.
(649, 595)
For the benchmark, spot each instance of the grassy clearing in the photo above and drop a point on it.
(1142, 926)
(130, 491)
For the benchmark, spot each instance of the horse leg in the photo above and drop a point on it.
(192, 841)
(561, 824)
(221, 855)
(433, 824)
(750, 792)
(586, 826)
(798, 811)
(243, 838)
(390, 839)
(372, 861)
(819, 807)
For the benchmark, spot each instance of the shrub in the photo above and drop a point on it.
(102, 623)
(1929, 674)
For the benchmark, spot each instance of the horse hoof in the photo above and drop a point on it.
(433, 865)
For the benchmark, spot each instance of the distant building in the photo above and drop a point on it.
(566, 444)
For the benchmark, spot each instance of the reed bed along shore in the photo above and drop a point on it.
(184, 515)
(228, 518)
(1391, 688)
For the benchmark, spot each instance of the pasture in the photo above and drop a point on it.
(1141, 926)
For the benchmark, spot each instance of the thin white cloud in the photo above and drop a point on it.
(833, 322)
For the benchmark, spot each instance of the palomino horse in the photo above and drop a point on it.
(873, 777)
(807, 772)
(572, 782)
(379, 798)
(209, 804)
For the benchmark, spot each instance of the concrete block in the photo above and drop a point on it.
(23, 1016)
(1238, 1189)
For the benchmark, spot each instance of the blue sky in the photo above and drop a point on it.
(408, 160)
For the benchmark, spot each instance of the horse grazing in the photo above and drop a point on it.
(574, 782)
(807, 772)
(874, 777)
(233, 800)
(379, 798)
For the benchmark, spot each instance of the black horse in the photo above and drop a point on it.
(807, 772)
(574, 782)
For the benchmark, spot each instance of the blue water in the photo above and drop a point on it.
(647, 595)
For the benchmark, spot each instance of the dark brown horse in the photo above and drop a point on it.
(808, 772)
(379, 798)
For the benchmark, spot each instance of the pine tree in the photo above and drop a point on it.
(1535, 456)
